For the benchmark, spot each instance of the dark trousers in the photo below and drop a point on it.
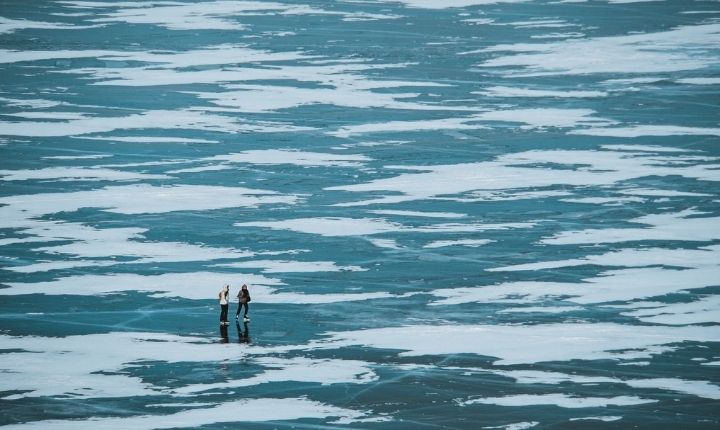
(223, 313)
(240, 306)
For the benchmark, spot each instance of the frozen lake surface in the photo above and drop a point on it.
(451, 214)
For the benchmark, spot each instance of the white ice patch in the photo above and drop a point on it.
(702, 389)
(212, 15)
(610, 286)
(264, 98)
(157, 119)
(528, 118)
(605, 418)
(418, 214)
(338, 226)
(542, 309)
(299, 369)
(146, 139)
(649, 130)
(560, 400)
(689, 258)
(699, 81)
(531, 169)
(473, 243)
(525, 344)
(702, 311)
(290, 156)
(77, 157)
(516, 426)
(137, 199)
(8, 25)
(499, 91)
(682, 48)
(280, 266)
(680, 226)
(253, 410)
(193, 286)
(76, 174)
(445, 4)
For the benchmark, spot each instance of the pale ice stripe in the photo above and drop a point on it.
(47, 266)
(645, 148)
(648, 130)
(76, 174)
(646, 80)
(194, 286)
(343, 74)
(667, 226)
(298, 369)
(8, 25)
(284, 266)
(213, 15)
(606, 418)
(608, 201)
(339, 226)
(631, 257)
(146, 139)
(711, 363)
(518, 171)
(700, 81)
(539, 23)
(528, 118)
(682, 48)
(650, 192)
(702, 311)
(515, 426)
(29, 103)
(213, 168)
(93, 366)
(608, 287)
(137, 199)
(460, 242)
(525, 344)
(77, 157)
(568, 35)
(266, 98)
(499, 91)
(697, 388)
(158, 119)
(542, 309)
(560, 400)
(444, 4)
(109, 244)
(50, 115)
(291, 156)
(418, 213)
(253, 410)
(384, 243)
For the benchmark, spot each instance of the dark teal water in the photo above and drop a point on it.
(457, 215)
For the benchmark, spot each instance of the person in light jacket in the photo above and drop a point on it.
(223, 296)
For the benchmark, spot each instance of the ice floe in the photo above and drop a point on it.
(682, 48)
(253, 410)
(194, 286)
(499, 91)
(8, 25)
(681, 226)
(340, 226)
(518, 172)
(158, 119)
(76, 174)
(540, 343)
(560, 400)
(282, 266)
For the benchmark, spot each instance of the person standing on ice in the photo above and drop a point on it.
(223, 296)
(243, 300)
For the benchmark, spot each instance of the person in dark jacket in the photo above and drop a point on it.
(243, 300)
